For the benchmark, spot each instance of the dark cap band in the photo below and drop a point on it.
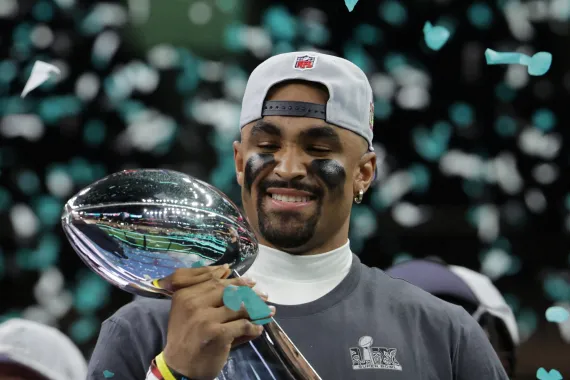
(299, 109)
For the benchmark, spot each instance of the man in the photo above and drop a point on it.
(475, 293)
(32, 351)
(305, 155)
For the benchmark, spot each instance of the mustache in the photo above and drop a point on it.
(263, 186)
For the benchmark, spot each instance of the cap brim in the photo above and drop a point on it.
(490, 298)
(30, 366)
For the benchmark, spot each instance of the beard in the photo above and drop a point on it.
(287, 230)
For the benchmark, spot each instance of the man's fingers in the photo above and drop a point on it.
(242, 329)
(210, 294)
(186, 277)
(223, 315)
(243, 339)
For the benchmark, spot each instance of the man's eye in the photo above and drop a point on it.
(268, 146)
(319, 149)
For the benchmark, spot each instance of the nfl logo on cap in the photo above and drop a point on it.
(305, 62)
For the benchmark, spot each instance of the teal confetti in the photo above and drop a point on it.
(5, 199)
(432, 144)
(435, 36)
(280, 23)
(537, 65)
(108, 374)
(94, 133)
(420, 178)
(480, 15)
(48, 209)
(91, 293)
(393, 61)
(473, 188)
(382, 109)
(316, 33)
(461, 114)
(28, 182)
(228, 6)
(527, 321)
(557, 314)
(84, 329)
(541, 374)
(556, 288)
(43, 11)
(544, 119)
(505, 126)
(505, 93)
(357, 55)
(232, 37)
(8, 71)
(367, 34)
(350, 4)
(258, 310)
(394, 13)
(11, 314)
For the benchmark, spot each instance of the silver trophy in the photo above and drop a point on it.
(136, 226)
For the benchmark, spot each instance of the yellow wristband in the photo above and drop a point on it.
(155, 283)
(163, 368)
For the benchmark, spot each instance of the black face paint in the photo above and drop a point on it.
(331, 172)
(255, 165)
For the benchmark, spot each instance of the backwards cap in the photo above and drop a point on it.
(350, 105)
(460, 282)
(41, 348)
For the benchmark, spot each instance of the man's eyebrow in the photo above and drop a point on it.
(321, 132)
(263, 127)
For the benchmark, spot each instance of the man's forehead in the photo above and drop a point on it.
(290, 126)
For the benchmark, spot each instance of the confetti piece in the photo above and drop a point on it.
(537, 65)
(557, 314)
(40, 73)
(258, 310)
(350, 4)
(108, 374)
(435, 36)
(541, 374)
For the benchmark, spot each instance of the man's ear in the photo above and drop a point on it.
(238, 159)
(366, 170)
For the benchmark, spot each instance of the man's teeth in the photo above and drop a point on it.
(287, 198)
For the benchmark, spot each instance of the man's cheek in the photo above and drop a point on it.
(331, 172)
(255, 165)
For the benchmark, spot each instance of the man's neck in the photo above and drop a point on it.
(296, 279)
(313, 248)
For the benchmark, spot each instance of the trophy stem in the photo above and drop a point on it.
(276, 344)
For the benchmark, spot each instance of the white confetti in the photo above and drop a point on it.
(40, 73)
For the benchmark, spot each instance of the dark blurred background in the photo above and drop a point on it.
(471, 156)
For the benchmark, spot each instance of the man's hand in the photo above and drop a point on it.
(201, 330)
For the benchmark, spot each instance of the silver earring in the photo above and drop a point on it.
(358, 198)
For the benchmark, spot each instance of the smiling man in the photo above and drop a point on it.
(304, 157)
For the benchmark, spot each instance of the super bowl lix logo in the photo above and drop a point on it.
(368, 357)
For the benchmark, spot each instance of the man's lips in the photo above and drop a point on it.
(289, 192)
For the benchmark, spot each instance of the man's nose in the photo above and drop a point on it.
(291, 164)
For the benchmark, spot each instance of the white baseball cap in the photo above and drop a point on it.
(350, 105)
(41, 348)
(477, 289)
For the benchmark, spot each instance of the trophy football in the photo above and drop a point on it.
(136, 226)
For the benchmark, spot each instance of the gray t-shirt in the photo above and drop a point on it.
(370, 326)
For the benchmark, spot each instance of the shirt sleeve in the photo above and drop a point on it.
(475, 357)
(120, 352)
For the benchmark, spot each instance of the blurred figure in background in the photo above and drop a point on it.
(475, 293)
(32, 351)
